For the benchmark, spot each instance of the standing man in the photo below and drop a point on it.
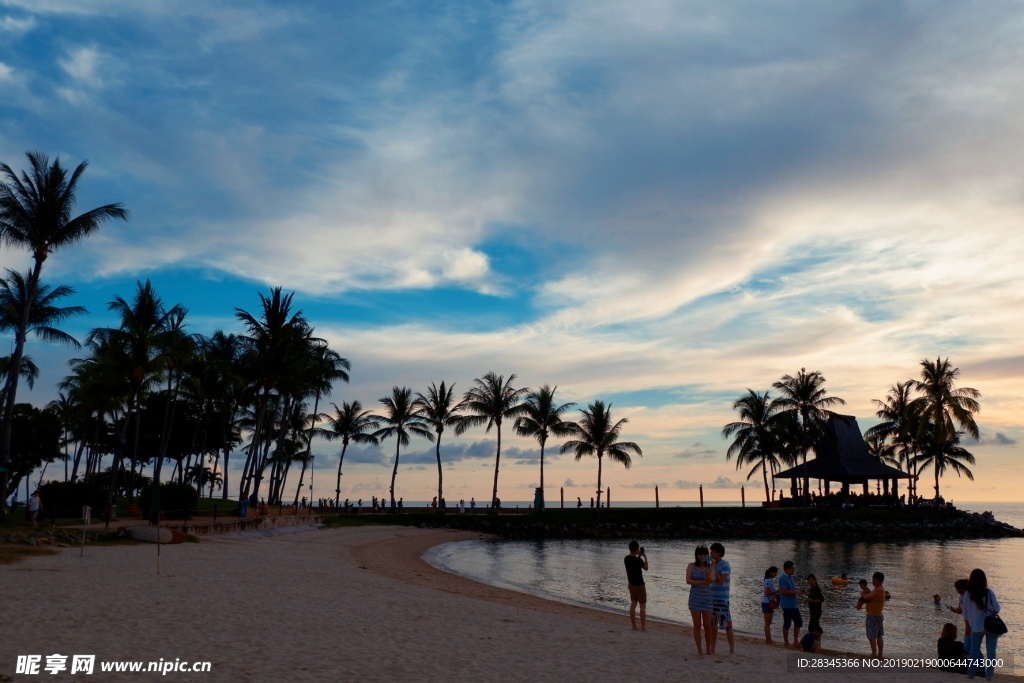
(720, 614)
(636, 565)
(790, 604)
(35, 507)
(874, 601)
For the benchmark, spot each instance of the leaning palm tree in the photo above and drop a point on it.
(754, 435)
(805, 396)
(597, 435)
(898, 426)
(402, 420)
(489, 402)
(440, 409)
(945, 411)
(542, 417)
(350, 423)
(36, 214)
(947, 455)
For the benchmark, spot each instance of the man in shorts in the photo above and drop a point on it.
(789, 601)
(874, 601)
(721, 617)
(636, 565)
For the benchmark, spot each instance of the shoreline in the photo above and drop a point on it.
(351, 603)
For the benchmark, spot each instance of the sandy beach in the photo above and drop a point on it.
(338, 605)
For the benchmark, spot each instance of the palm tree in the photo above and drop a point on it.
(755, 439)
(137, 350)
(804, 396)
(402, 420)
(899, 425)
(542, 417)
(946, 455)
(325, 367)
(350, 423)
(277, 342)
(597, 435)
(440, 409)
(36, 214)
(946, 412)
(489, 402)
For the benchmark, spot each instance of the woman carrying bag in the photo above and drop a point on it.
(979, 606)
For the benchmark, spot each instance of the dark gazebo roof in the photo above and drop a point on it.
(843, 456)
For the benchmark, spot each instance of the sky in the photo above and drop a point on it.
(654, 204)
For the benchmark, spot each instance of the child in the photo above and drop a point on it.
(811, 642)
(960, 585)
(815, 598)
(951, 649)
(864, 590)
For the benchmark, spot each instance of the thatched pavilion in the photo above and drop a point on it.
(842, 457)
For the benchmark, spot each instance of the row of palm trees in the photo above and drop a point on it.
(491, 401)
(922, 423)
(146, 381)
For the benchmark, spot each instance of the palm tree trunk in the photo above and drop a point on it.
(302, 478)
(764, 471)
(599, 459)
(440, 494)
(394, 472)
(337, 486)
(542, 465)
(497, 460)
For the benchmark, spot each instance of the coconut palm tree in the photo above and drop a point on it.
(945, 410)
(440, 409)
(36, 214)
(542, 417)
(42, 302)
(277, 342)
(597, 435)
(401, 419)
(326, 366)
(137, 350)
(489, 402)
(754, 436)
(899, 426)
(350, 423)
(946, 455)
(805, 396)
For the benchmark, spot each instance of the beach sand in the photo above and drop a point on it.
(355, 604)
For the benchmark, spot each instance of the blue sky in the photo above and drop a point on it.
(658, 204)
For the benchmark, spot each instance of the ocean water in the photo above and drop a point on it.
(590, 572)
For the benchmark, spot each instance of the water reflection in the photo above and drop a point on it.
(591, 572)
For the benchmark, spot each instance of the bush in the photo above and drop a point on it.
(66, 498)
(175, 500)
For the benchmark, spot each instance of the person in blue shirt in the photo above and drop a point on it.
(790, 604)
(721, 615)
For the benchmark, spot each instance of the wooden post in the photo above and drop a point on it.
(702, 495)
(743, 496)
(657, 501)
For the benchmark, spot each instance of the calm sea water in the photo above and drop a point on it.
(590, 572)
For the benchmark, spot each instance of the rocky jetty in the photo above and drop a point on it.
(876, 525)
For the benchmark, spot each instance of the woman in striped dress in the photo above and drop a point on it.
(699, 576)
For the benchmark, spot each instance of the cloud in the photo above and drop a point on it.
(698, 451)
(83, 65)
(998, 439)
(721, 482)
(16, 25)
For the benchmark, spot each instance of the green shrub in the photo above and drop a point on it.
(175, 500)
